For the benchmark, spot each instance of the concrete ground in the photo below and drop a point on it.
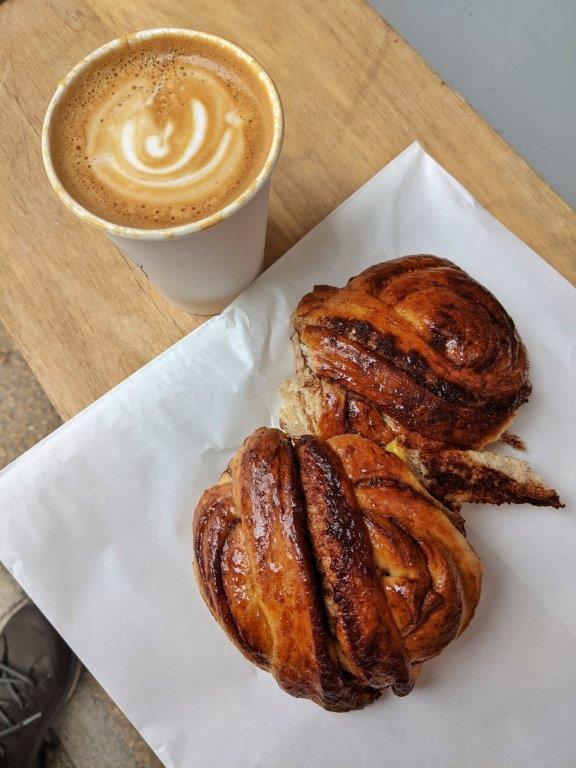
(91, 731)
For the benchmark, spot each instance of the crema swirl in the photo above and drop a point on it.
(161, 133)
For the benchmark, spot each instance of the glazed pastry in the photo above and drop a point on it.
(329, 565)
(417, 352)
(422, 342)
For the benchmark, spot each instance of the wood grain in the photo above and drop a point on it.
(355, 95)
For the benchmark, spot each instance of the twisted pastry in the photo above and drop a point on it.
(422, 341)
(416, 351)
(328, 564)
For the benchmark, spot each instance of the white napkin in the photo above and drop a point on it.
(95, 521)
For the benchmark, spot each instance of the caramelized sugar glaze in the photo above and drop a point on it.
(328, 565)
(162, 132)
(417, 340)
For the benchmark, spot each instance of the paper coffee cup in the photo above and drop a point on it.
(201, 266)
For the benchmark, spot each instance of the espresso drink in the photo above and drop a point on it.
(161, 132)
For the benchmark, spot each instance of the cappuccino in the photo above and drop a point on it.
(161, 132)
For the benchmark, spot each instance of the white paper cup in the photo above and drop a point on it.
(199, 267)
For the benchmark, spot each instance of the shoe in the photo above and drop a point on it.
(38, 674)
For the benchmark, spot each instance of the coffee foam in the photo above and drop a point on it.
(161, 133)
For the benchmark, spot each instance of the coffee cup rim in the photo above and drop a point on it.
(182, 230)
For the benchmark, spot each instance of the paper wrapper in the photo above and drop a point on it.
(95, 521)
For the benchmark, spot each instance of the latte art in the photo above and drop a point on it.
(162, 134)
(187, 132)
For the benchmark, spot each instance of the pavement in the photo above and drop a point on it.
(91, 731)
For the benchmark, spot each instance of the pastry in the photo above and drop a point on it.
(415, 353)
(328, 564)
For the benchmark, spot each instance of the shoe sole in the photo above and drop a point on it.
(20, 603)
(78, 664)
(77, 674)
(73, 684)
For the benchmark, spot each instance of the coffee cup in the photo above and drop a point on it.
(171, 155)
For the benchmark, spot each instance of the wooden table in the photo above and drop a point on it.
(355, 94)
